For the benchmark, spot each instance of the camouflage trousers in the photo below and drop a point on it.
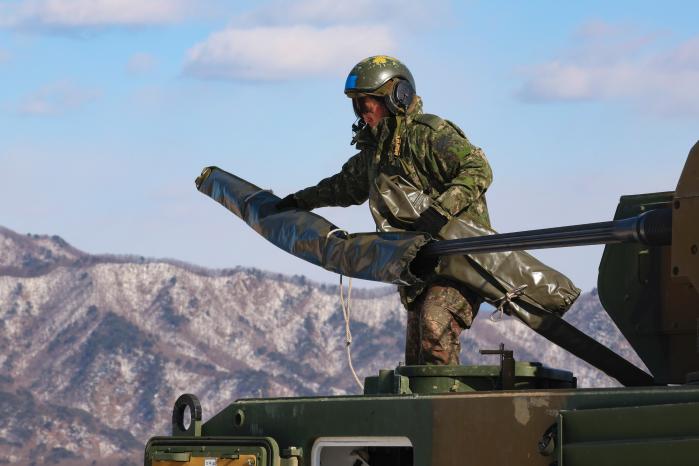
(435, 321)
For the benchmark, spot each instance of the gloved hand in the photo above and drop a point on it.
(430, 221)
(422, 266)
(288, 203)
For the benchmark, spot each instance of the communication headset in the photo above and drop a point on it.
(400, 97)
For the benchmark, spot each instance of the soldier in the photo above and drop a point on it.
(424, 154)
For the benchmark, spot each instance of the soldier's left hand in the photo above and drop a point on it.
(430, 221)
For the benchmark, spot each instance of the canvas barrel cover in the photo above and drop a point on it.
(515, 281)
(383, 257)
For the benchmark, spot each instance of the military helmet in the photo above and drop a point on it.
(385, 77)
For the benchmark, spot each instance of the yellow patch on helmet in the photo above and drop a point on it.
(381, 59)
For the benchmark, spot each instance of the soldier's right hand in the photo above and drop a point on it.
(288, 203)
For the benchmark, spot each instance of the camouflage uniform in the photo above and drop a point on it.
(434, 156)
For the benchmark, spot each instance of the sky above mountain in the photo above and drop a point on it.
(110, 108)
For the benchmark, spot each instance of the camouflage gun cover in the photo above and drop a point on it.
(383, 257)
(514, 281)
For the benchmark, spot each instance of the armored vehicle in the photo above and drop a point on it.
(517, 413)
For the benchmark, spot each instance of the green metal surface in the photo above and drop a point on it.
(426, 380)
(675, 452)
(634, 422)
(299, 422)
(655, 313)
(435, 424)
(639, 435)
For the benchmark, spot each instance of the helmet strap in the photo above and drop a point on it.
(397, 135)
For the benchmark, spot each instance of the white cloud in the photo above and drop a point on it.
(285, 52)
(67, 15)
(140, 63)
(56, 99)
(285, 39)
(406, 13)
(617, 64)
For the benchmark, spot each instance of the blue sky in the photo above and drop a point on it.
(110, 108)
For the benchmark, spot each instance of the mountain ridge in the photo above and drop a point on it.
(96, 348)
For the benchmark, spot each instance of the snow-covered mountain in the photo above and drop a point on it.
(95, 349)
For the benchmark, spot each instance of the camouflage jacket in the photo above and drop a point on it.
(432, 154)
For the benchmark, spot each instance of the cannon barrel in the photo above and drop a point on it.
(653, 228)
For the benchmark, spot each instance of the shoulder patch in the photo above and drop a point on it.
(433, 121)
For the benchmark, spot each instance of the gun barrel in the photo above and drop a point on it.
(653, 228)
